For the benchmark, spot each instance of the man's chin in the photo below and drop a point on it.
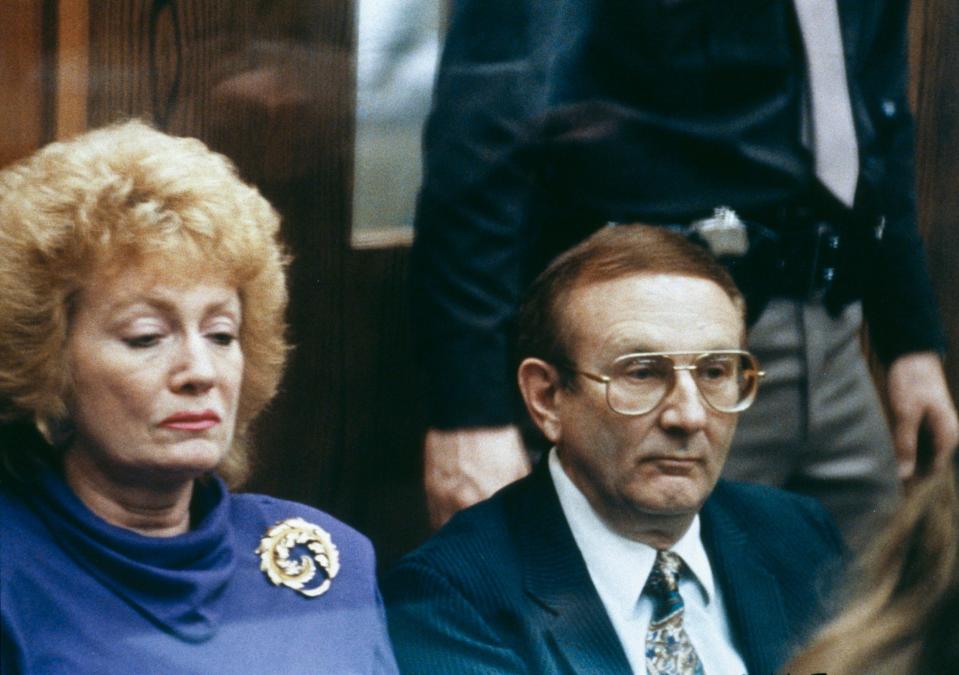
(670, 495)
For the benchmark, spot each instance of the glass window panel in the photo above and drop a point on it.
(397, 48)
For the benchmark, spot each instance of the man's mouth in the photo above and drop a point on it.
(673, 464)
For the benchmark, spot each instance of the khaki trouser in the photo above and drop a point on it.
(817, 426)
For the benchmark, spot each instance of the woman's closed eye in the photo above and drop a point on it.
(143, 341)
(222, 338)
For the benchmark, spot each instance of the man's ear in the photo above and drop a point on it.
(540, 385)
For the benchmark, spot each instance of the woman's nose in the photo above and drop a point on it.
(194, 369)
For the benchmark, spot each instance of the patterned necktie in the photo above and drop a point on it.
(668, 649)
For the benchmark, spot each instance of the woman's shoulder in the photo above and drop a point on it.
(259, 513)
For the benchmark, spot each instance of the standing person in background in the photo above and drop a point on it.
(662, 112)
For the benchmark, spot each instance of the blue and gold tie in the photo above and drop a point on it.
(668, 649)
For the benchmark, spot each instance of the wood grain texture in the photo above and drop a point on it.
(935, 36)
(270, 85)
(386, 416)
(72, 69)
(23, 102)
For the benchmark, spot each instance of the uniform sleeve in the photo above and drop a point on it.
(899, 302)
(472, 233)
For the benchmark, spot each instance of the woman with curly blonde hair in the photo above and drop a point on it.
(142, 295)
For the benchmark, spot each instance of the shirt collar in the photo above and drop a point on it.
(620, 566)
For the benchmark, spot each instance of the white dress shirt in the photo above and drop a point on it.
(619, 568)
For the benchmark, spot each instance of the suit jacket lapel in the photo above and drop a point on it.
(754, 605)
(555, 575)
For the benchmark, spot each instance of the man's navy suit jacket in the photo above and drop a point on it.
(504, 588)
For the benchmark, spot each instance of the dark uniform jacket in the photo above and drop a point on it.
(551, 117)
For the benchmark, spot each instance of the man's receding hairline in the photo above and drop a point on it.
(582, 281)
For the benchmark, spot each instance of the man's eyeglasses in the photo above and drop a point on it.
(727, 379)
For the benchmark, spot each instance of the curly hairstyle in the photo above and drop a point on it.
(129, 195)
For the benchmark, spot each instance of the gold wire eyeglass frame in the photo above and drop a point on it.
(743, 404)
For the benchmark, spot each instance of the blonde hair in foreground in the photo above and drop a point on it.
(903, 616)
(125, 196)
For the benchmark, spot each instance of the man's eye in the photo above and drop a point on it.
(641, 371)
(143, 341)
(716, 370)
(222, 339)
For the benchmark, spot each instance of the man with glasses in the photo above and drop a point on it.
(623, 550)
(550, 119)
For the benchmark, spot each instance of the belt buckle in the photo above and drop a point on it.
(724, 233)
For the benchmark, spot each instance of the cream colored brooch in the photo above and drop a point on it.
(275, 562)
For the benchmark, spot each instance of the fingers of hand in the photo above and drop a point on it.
(462, 467)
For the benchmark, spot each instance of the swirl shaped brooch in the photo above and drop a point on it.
(275, 561)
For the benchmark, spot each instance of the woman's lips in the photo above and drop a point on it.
(191, 421)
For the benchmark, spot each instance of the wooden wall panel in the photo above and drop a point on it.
(935, 36)
(386, 416)
(269, 84)
(25, 103)
(72, 26)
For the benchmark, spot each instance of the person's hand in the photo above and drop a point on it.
(464, 466)
(919, 397)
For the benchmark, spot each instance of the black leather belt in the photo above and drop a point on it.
(792, 252)
(803, 264)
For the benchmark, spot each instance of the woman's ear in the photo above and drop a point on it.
(540, 385)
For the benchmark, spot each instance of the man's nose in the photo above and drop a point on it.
(684, 408)
(193, 369)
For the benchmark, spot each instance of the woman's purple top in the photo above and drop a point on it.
(79, 595)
